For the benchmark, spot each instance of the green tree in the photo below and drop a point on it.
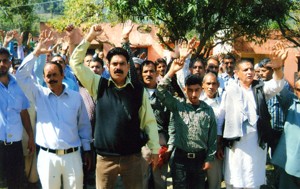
(18, 14)
(290, 25)
(234, 18)
(179, 18)
(82, 13)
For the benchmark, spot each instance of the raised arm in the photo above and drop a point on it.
(85, 75)
(163, 93)
(127, 28)
(24, 74)
(275, 85)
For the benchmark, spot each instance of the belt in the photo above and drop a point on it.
(5, 143)
(190, 155)
(60, 152)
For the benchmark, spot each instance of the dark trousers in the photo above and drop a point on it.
(187, 170)
(11, 165)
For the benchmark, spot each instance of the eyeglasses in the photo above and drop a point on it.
(5, 61)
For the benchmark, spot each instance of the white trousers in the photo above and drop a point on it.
(52, 168)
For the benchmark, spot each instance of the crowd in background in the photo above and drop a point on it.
(102, 119)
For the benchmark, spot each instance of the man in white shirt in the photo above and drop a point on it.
(62, 123)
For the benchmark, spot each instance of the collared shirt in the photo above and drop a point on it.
(237, 109)
(215, 104)
(225, 77)
(90, 81)
(161, 113)
(287, 153)
(12, 102)
(62, 121)
(275, 110)
(195, 128)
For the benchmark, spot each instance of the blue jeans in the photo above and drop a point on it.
(187, 170)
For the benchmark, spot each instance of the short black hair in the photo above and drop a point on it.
(5, 52)
(146, 63)
(213, 57)
(117, 51)
(58, 55)
(193, 79)
(242, 62)
(264, 62)
(160, 60)
(97, 59)
(230, 56)
(60, 68)
(194, 60)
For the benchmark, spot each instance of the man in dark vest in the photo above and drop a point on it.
(124, 117)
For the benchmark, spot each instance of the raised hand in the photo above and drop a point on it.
(95, 31)
(279, 53)
(185, 49)
(70, 31)
(19, 38)
(8, 37)
(46, 39)
(175, 53)
(127, 28)
(176, 65)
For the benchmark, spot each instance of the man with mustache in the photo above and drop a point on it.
(62, 123)
(247, 125)
(13, 117)
(162, 115)
(192, 130)
(211, 97)
(123, 115)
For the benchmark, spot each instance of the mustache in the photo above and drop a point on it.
(119, 71)
(53, 81)
(149, 77)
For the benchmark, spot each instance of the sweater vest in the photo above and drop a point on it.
(117, 128)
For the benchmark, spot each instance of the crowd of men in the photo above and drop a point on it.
(123, 119)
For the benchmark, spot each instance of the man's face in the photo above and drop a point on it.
(210, 85)
(4, 64)
(297, 89)
(149, 76)
(59, 60)
(197, 69)
(118, 69)
(212, 66)
(193, 93)
(265, 73)
(228, 66)
(87, 60)
(52, 76)
(96, 67)
(245, 73)
(161, 69)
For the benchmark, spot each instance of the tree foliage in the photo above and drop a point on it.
(209, 19)
(234, 18)
(78, 13)
(14, 14)
(290, 25)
